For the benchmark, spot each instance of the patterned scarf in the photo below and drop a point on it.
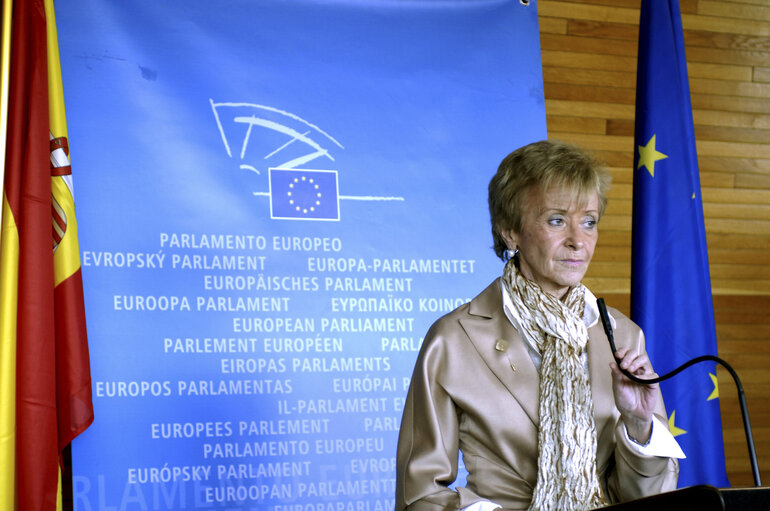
(568, 478)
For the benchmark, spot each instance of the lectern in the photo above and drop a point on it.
(701, 498)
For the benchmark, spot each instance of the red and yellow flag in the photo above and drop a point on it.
(45, 382)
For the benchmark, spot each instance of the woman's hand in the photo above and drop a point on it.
(635, 401)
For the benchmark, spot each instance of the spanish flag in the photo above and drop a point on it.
(45, 382)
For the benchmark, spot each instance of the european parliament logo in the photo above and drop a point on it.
(262, 136)
(302, 194)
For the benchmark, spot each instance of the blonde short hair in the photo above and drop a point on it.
(539, 166)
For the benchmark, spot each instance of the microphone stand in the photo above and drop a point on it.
(741, 396)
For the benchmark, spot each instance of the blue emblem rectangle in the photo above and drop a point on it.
(301, 194)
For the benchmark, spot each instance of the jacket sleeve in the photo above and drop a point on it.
(428, 443)
(636, 475)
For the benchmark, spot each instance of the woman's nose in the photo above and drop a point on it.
(575, 237)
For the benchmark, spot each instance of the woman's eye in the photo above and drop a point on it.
(590, 222)
(555, 221)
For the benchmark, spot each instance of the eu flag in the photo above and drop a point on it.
(670, 283)
(301, 194)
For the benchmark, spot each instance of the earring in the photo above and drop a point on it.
(510, 254)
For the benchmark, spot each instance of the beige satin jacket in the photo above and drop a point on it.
(475, 390)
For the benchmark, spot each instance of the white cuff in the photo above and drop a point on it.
(483, 505)
(662, 442)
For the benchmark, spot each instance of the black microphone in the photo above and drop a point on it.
(741, 396)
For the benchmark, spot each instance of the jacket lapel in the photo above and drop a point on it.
(599, 358)
(502, 349)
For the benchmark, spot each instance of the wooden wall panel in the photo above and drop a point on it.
(589, 74)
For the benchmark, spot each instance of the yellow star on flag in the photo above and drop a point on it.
(648, 155)
(714, 393)
(672, 428)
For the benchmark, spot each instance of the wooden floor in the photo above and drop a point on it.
(589, 72)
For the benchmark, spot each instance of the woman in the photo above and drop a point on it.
(521, 379)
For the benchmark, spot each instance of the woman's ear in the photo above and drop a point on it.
(510, 238)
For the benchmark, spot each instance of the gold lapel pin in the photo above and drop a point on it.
(502, 346)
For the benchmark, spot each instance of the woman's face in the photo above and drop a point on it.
(557, 239)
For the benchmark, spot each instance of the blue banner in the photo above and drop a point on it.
(275, 201)
(670, 283)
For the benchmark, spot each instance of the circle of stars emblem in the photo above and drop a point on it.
(300, 190)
